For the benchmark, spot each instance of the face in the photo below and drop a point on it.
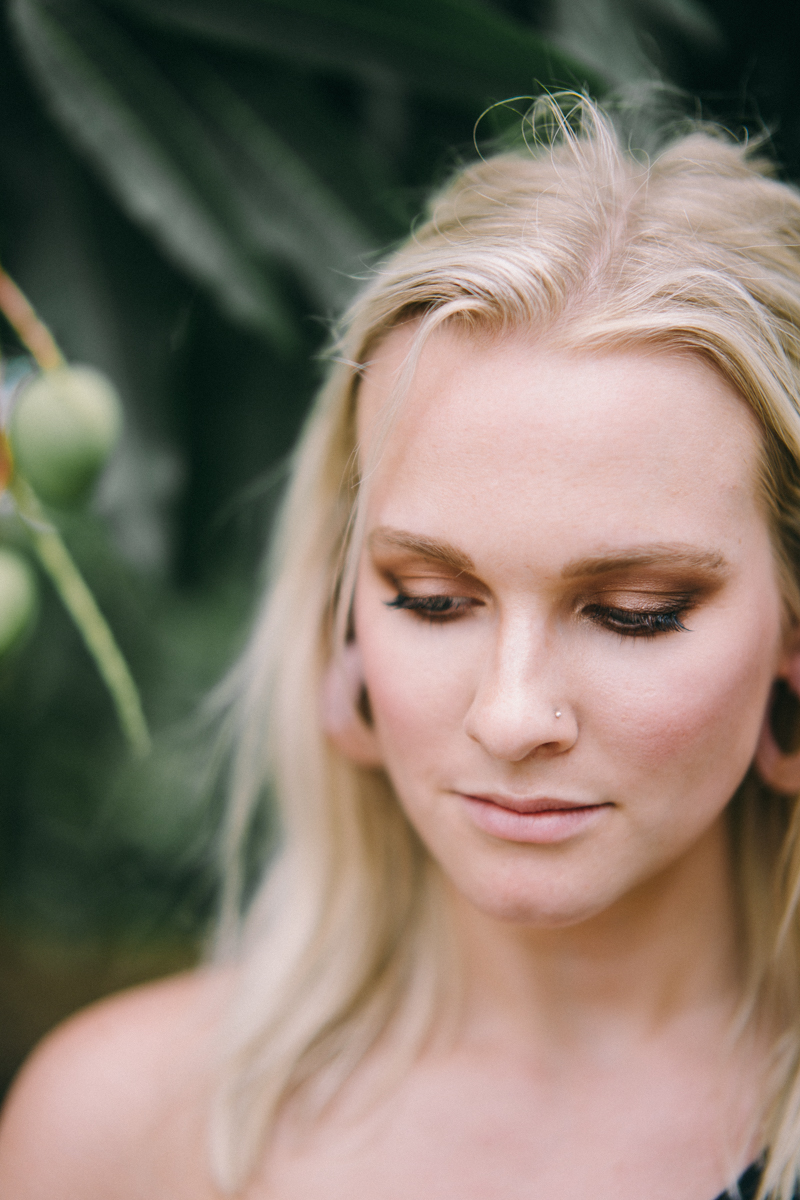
(567, 612)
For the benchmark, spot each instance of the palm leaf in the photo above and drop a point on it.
(458, 48)
(219, 189)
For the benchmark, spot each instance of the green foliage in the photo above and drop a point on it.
(190, 152)
(261, 153)
(63, 427)
(190, 191)
(460, 48)
(18, 598)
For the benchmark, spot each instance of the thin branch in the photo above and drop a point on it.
(82, 607)
(32, 331)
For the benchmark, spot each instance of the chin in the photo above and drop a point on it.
(538, 908)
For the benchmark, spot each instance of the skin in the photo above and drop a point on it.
(550, 501)
(528, 509)
(540, 525)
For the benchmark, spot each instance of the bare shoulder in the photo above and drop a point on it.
(111, 1094)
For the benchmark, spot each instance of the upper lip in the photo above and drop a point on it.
(530, 804)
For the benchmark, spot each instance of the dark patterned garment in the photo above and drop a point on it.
(746, 1185)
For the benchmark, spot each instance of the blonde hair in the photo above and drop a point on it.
(698, 249)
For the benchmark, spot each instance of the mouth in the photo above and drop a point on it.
(541, 820)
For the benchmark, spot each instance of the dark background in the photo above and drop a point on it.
(190, 191)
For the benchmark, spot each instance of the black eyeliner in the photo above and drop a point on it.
(434, 607)
(638, 622)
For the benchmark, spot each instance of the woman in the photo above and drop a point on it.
(523, 689)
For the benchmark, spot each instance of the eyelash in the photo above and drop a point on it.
(627, 622)
(436, 609)
(633, 623)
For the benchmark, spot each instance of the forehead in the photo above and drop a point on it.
(623, 445)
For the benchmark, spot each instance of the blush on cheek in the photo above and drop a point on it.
(411, 706)
(704, 722)
(418, 678)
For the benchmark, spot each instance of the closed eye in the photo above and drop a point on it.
(637, 622)
(437, 609)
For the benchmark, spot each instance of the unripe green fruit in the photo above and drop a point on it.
(18, 598)
(63, 428)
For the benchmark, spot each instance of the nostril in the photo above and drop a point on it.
(512, 735)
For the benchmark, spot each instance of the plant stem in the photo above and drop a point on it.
(32, 331)
(53, 554)
(82, 607)
(6, 466)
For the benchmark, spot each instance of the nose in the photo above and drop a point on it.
(521, 705)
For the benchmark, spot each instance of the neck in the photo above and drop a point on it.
(663, 953)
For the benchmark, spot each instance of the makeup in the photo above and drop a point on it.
(539, 820)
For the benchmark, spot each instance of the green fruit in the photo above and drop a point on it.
(18, 598)
(63, 428)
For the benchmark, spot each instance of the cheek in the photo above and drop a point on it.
(419, 677)
(691, 709)
(658, 719)
(419, 681)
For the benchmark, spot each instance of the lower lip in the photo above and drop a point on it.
(539, 828)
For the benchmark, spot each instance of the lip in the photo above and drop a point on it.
(538, 820)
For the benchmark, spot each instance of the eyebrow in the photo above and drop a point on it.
(661, 554)
(422, 547)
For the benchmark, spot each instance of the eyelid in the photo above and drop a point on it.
(440, 580)
(435, 608)
(633, 623)
(641, 612)
(643, 599)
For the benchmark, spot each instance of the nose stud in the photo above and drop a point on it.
(558, 712)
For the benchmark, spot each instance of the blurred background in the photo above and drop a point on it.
(190, 191)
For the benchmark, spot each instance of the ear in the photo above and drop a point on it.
(777, 757)
(342, 696)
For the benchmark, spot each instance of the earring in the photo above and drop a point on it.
(777, 757)
(558, 712)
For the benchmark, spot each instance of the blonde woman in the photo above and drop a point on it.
(523, 692)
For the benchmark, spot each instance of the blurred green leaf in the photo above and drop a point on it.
(282, 205)
(191, 159)
(218, 188)
(615, 35)
(454, 47)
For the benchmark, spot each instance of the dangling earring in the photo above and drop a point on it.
(344, 708)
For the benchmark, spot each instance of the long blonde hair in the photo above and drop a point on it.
(698, 249)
